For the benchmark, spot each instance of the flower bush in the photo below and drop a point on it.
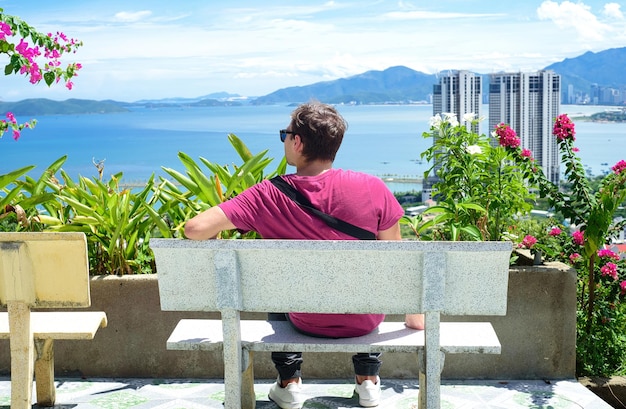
(485, 186)
(478, 188)
(601, 339)
(25, 59)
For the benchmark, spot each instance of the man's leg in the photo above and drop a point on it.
(367, 364)
(366, 369)
(286, 391)
(287, 364)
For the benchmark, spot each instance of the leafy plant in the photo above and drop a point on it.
(12, 216)
(114, 220)
(600, 291)
(479, 189)
(202, 191)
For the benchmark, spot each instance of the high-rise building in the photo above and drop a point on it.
(458, 92)
(529, 103)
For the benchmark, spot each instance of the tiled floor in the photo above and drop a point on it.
(397, 394)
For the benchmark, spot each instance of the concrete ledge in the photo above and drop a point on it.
(538, 337)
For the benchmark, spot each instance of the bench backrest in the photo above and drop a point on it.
(46, 269)
(349, 276)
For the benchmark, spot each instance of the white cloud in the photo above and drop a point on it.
(577, 16)
(430, 15)
(132, 17)
(612, 10)
(198, 47)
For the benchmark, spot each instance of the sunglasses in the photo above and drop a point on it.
(283, 134)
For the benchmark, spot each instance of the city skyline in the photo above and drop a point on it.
(158, 49)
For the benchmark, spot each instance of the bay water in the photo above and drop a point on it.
(383, 140)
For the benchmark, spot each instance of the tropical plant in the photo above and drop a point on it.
(119, 222)
(114, 220)
(12, 215)
(201, 191)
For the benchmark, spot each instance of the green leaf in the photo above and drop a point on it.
(49, 77)
(240, 147)
(11, 177)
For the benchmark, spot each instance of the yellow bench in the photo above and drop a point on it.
(42, 270)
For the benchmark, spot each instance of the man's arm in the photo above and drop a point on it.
(207, 224)
(415, 321)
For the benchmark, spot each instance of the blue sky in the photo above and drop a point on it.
(139, 49)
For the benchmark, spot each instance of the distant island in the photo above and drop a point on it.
(617, 115)
(42, 106)
(608, 115)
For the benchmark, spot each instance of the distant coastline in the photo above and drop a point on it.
(42, 107)
(617, 115)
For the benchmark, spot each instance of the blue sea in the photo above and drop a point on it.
(383, 140)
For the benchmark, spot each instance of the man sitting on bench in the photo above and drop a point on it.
(361, 201)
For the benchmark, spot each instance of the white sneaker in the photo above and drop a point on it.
(289, 397)
(369, 393)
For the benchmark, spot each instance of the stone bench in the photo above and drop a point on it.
(42, 270)
(231, 276)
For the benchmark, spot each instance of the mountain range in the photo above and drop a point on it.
(396, 84)
(404, 85)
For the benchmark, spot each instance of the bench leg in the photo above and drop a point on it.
(248, 397)
(233, 359)
(431, 364)
(22, 355)
(44, 372)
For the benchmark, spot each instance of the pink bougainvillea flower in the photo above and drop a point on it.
(564, 128)
(529, 241)
(574, 149)
(623, 287)
(619, 167)
(527, 153)
(16, 134)
(609, 269)
(578, 237)
(5, 30)
(555, 231)
(574, 257)
(507, 136)
(607, 253)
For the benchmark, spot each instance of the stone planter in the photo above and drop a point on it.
(538, 336)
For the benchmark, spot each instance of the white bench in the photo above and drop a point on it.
(230, 276)
(42, 270)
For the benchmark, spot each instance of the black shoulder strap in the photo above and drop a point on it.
(331, 221)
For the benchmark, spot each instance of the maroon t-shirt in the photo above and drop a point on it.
(354, 197)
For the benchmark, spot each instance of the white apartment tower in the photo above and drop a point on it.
(529, 103)
(458, 92)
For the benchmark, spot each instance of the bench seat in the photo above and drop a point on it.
(47, 327)
(60, 325)
(258, 335)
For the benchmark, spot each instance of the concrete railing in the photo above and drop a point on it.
(538, 336)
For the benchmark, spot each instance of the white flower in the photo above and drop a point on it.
(473, 149)
(450, 118)
(435, 121)
(469, 117)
